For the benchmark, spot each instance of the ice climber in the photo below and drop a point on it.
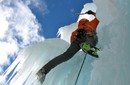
(84, 37)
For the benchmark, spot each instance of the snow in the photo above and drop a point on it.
(65, 32)
(112, 68)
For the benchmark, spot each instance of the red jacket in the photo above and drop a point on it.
(88, 25)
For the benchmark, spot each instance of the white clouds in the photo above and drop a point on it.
(2, 80)
(18, 28)
(3, 24)
(38, 4)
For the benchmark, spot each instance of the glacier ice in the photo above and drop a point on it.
(113, 67)
(31, 59)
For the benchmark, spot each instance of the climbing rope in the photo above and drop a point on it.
(80, 69)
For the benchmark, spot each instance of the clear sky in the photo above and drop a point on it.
(59, 13)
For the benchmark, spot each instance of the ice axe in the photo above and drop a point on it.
(80, 13)
(88, 12)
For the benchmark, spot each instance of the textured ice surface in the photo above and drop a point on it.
(31, 59)
(113, 67)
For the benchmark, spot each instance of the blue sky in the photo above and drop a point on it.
(59, 13)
